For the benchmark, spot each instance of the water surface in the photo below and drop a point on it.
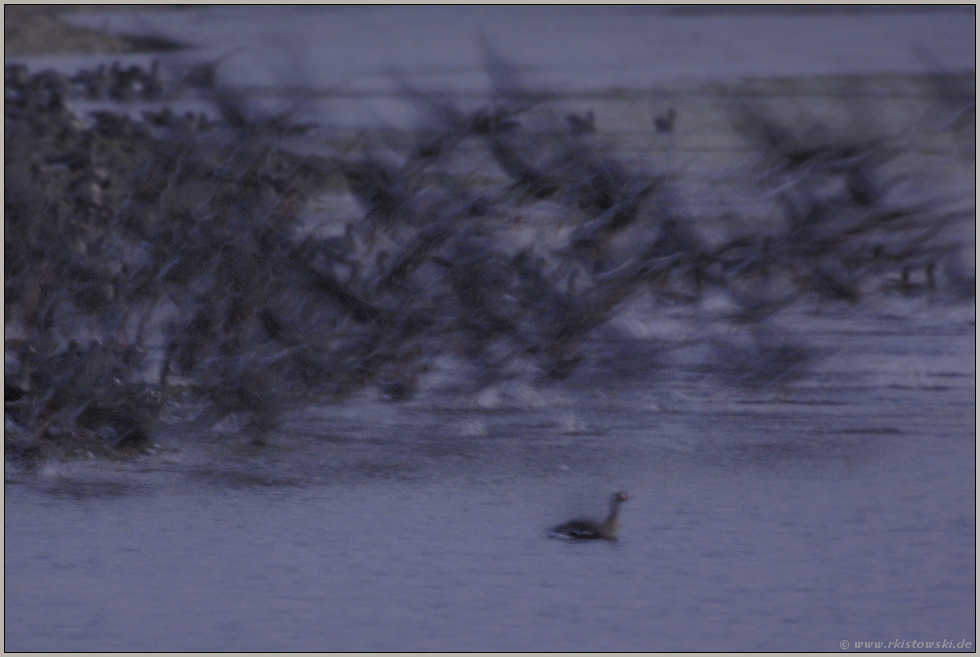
(838, 508)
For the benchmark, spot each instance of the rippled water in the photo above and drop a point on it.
(837, 508)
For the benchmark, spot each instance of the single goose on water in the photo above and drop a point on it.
(588, 529)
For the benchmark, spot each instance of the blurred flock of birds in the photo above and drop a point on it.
(181, 255)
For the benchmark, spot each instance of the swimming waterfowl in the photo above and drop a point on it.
(583, 529)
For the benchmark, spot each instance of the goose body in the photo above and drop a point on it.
(584, 529)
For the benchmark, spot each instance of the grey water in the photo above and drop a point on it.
(838, 507)
(841, 508)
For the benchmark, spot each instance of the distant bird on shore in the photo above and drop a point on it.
(584, 529)
(581, 125)
(664, 123)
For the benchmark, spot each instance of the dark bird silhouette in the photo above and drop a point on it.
(583, 529)
(581, 125)
(664, 123)
(960, 280)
